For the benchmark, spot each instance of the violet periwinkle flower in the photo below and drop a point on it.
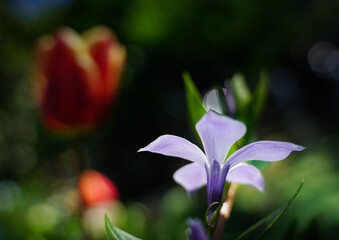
(196, 231)
(218, 133)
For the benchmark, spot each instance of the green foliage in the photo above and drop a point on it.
(260, 228)
(242, 95)
(114, 233)
(174, 209)
(221, 100)
(249, 104)
(211, 219)
(194, 101)
(136, 220)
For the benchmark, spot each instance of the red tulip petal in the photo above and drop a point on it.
(110, 57)
(71, 80)
(99, 40)
(77, 78)
(95, 187)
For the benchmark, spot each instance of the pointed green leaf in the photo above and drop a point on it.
(260, 228)
(222, 100)
(241, 91)
(242, 97)
(114, 233)
(193, 99)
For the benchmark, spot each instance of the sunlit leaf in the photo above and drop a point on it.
(221, 98)
(242, 94)
(194, 100)
(243, 101)
(114, 233)
(260, 228)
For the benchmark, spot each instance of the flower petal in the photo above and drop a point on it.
(110, 57)
(263, 150)
(244, 173)
(191, 177)
(197, 231)
(218, 133)
(175, 146)
(216, 177)
(211, 101)
(72, 79)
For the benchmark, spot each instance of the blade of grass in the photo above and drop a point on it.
(257, 230)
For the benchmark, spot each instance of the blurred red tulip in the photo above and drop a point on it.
(95, 188)
(77, 78)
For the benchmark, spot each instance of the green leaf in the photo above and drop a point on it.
(260, 228)
(114, 233)
(241, 92)
(260, 94)
(211, 222)
(243, 100)
(194, 100)
(222, 100)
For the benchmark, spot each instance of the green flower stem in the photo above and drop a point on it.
(83, 161)
(225, 211)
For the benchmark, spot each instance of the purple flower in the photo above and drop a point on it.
(196, 231)
(218, 133)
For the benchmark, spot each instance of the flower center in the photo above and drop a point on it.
(216, 177)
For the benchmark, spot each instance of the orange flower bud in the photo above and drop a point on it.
(95, 188)
(77, 78)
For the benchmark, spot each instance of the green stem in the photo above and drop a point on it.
(225, 211)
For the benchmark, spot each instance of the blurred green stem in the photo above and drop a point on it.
(84, 163)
